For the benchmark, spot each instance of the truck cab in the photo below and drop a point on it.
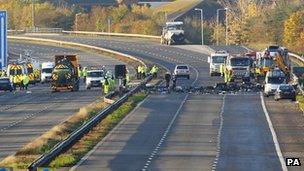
(237, 69)
(173, 33)
(46, 71)
(273, 79)
(216, 61)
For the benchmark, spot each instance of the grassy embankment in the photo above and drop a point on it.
(177, 6)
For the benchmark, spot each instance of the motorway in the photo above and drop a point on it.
(24, 116)
(194, 131)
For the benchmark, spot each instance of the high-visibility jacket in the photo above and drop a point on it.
(127, 78)
(25, 80)
(139, 69)
(15, 80)
(85, 73)
(106, 87)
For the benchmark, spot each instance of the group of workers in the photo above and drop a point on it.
(142, 71)
(25, 80)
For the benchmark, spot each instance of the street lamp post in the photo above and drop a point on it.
(226, 9)
(202, 22)
(33, 14)
(76, 21)
(217, 22)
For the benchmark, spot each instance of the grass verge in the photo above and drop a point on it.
(86, 143)
(49, 139)
(176, 6)
(25, 156)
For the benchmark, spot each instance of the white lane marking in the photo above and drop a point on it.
(84, 158)
(219, 135)
(156, 149)
(163, 138)
(274, 135)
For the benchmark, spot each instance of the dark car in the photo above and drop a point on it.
(285, 91)
(5, 84)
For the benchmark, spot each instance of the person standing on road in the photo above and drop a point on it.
(15, 80)
(139, 72)
(174, 82)
(25, 81)
(85, 74)
(167, 78)
(106, 86)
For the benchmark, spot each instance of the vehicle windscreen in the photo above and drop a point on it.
(4, 81)
(30, 70)
(240, 62)
(276, 80)
(266, 62)
(218, 59)
(273, 48)
(47, 70)
(182, 67)
(286, 88)
(15, 72)
(175, 27)
(95, 74)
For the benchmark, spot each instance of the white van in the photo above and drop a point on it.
(46, 71)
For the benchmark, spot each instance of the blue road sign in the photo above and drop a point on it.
(3, 39)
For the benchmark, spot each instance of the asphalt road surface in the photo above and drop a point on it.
(25, 116)
(164, 133)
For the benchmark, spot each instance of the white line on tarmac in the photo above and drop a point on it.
(219, 135)
(84, 158)
(274, 135)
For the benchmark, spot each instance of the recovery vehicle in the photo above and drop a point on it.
(65, 73)
(173, 33)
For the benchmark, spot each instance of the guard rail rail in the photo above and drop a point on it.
(80, 132)
(77, 45)
(111, 34)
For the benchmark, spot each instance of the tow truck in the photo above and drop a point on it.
(173, 33)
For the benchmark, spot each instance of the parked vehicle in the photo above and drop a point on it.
(94, 78)
(273, 79)
(182, 71)
(285, 91)
(65, 74)
(46, 71)
(237, 69)
(6, 84)
(216, 62)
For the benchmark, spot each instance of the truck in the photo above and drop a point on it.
(173, 33)
(15, 72)
(65, 73)
(237, 68)
(273, 79)
(216, 62)
(46, 71)
(264, 63)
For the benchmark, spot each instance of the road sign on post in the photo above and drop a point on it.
(3, 39)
